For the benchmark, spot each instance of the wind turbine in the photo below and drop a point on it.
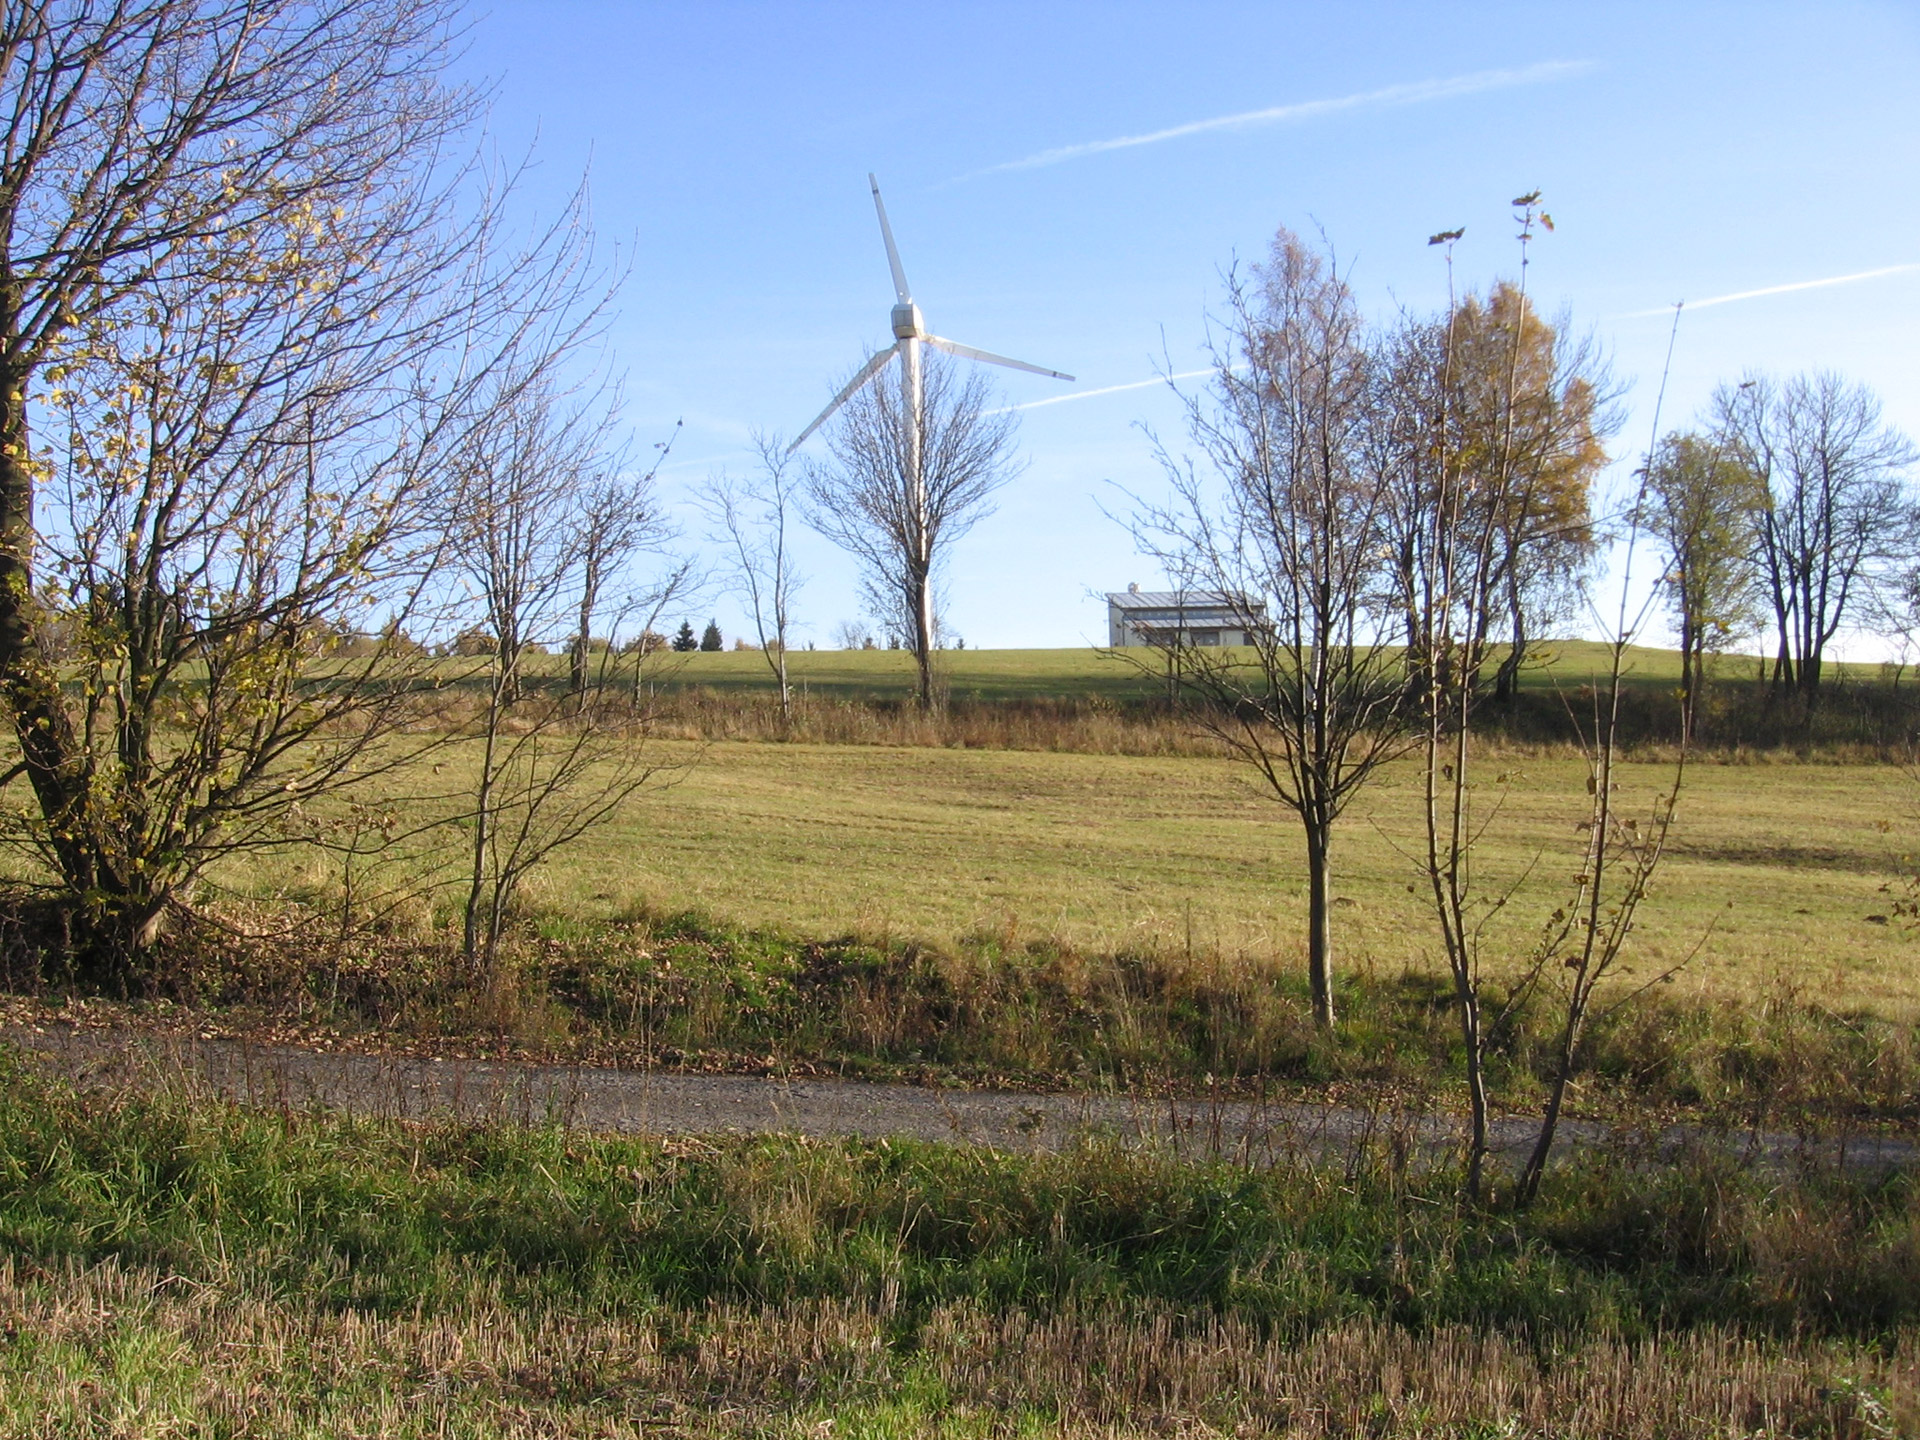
(909, 330)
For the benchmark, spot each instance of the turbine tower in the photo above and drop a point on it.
(909, 331)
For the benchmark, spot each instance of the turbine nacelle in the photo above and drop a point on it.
(908, 322)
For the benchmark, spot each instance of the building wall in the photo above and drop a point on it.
(1124, 627)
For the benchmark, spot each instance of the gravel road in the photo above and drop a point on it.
(660, 1102)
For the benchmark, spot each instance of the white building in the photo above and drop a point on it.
(1196, 617)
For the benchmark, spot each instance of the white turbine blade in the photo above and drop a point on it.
(967, 352)
(867, 372)
(893, 254)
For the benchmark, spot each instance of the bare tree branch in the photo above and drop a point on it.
(899, 507)
(1294, 538)
(753, 518)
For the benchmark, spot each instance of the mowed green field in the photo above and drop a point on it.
(1775, 872)
(1050, 674)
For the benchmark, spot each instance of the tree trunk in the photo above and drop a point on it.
(1467, 995)
(1506, 680)
(1536, 1166)
(1449, 846)
(923, 638)
(1810, 677)
(1419, 667)
(589, 592)
(114, 909)
(51, 755)
(1689, 673)
(482, 828)
(510, 688)
(1319, 925)
(577, 667)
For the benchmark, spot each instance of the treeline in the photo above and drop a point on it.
(1784, 518)
(1787, 511)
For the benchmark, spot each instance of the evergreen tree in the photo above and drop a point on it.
(710, 637)
(684, 640)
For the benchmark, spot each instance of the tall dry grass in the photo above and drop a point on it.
(138, 1351)
(1091, 726)
(1858, 721)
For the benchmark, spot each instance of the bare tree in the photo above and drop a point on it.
(753, 517)
(547, 770)
(1584, 942)
(244, 309)
(1454, 570)
(678, 583)
(618, 516)
(899, 508)
(1838, 518)
(1896, 616)
(1313, 702)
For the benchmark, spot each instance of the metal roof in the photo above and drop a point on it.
(1184, 600)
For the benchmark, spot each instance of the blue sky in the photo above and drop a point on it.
(1685, 151)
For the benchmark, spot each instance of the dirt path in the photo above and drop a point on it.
(658, 1102)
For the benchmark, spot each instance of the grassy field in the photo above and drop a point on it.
(1063, 916)
(1082, 670)
(1052, 914)
(1067, 920)
(174, 1266)
(970, 674)
(1065, 673)
(1783, 878)
(1042, 915)
(1776, 875)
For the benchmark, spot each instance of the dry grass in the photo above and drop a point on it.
(1092, 726)
(135, 1351)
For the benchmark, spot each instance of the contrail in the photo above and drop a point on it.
(1417, 93)
(1775, 290)
(707, 461)
(1103, 390)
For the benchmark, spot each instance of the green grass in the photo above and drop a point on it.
(1775, 875)
(969, 674)
(1136, 674)
(1077, 673)
(174, 1264)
